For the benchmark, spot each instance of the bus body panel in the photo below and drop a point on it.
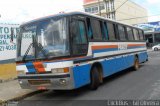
(81, 75)
(143, 57)
(117, 64)
(114, 55)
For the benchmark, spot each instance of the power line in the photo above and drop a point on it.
(139, 17)
(121, 5)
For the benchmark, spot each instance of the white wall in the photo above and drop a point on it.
(7, 48)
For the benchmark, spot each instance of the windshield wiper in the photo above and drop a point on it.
(26, 53)
(40, 48)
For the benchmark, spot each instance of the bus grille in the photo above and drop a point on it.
(39, 82)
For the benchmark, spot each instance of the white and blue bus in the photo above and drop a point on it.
(71, 50)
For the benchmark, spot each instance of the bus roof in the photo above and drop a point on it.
(75, 13)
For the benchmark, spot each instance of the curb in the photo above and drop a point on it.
(7, 80)
(18, 98)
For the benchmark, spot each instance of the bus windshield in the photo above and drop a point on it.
(44, 38)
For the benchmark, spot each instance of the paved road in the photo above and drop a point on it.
(143, 84)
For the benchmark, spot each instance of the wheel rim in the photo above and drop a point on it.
(136, 64)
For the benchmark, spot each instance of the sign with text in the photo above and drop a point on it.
(8, 35)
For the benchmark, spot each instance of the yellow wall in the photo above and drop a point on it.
(7, 71)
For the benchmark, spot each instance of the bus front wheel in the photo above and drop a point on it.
(95, 78)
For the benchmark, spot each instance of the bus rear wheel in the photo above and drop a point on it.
(95, 78)
(136, 64)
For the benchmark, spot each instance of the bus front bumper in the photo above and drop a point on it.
(46, 81)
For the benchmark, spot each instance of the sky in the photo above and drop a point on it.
(19, 11)
(153, 7)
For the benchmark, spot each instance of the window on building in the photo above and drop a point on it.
(121, 31)
(108, 6)
(109, 15)
(94, 9)
(130, 33)
(141, 35)
(86, 10)
(89, 9)
(97, 35)
(113, 4)
(111, 32)
(114, 17)
(102, 7)
(136, 34)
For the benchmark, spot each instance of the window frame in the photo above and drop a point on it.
(136, 35)
(132, 33)
(97, 40)
(104, 24)
(125, 32)
(141, 32)
(77, 17)
(114, 29)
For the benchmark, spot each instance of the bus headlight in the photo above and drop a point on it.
(20, 72)
(60, 70)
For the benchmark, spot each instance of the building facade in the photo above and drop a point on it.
(119, 10)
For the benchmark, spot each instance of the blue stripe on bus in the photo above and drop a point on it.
(105, 50)
(30, 67)
(113, 49)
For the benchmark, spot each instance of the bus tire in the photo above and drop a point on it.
(95, 78)
(136, 63)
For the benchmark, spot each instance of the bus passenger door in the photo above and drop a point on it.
(79, 39)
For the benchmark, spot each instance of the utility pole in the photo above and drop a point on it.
(99, 7)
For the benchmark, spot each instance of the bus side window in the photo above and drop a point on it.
(89, 28)
(104, 31)
(136, 34)
(79, 39)
(121, 31)
(111, 32)
(130, 33)
(141, 35)
(97, 35)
